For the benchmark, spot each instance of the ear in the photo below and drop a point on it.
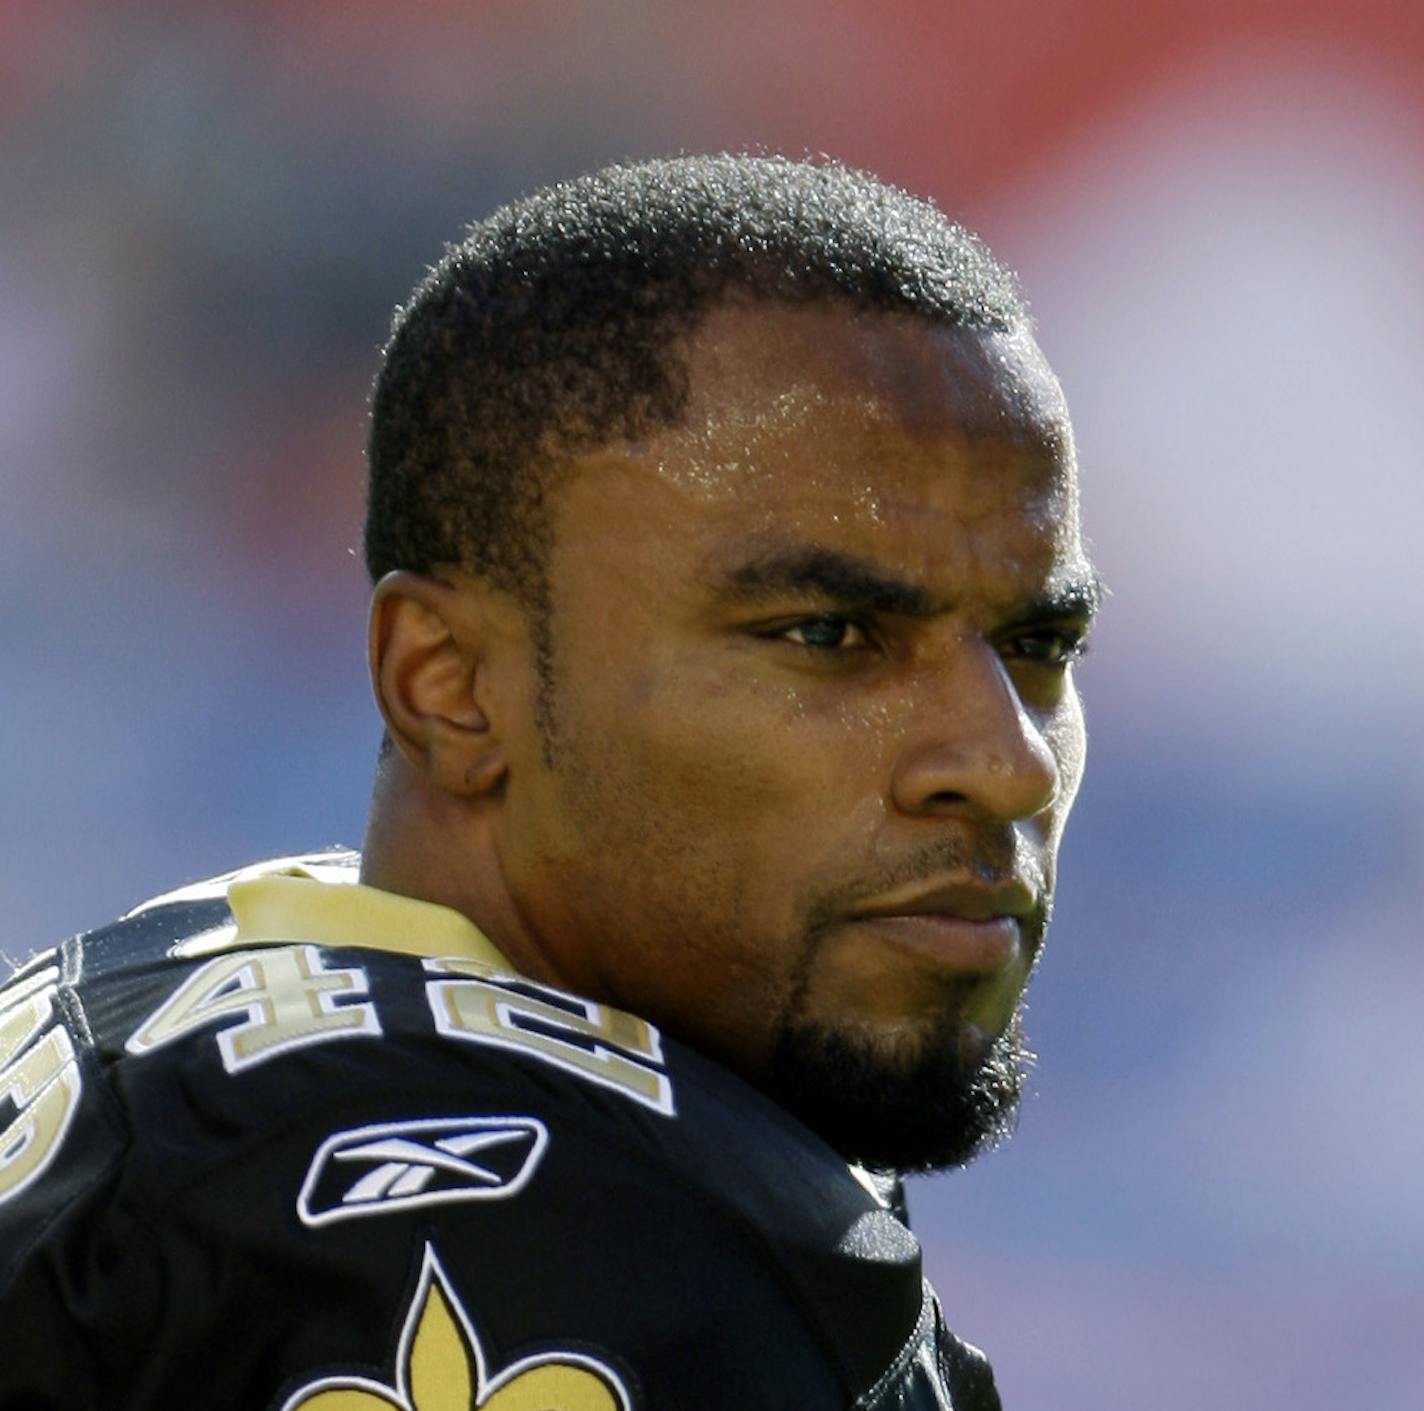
(428, 644)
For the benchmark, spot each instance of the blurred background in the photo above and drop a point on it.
(207, 213)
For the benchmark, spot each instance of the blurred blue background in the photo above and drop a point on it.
(206, 215)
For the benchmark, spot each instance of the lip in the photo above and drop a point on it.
(968, 929)
(970, 948)
(969, 901)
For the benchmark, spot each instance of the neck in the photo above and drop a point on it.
(423, 843)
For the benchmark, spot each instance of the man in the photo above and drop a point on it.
(724, 529)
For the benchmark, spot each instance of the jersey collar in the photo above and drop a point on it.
(295, 904)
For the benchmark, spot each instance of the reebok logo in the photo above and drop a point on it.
(426, 1161)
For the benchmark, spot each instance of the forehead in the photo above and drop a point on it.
(884, 436)
(756, 366)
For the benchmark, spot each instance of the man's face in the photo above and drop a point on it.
(812, 734)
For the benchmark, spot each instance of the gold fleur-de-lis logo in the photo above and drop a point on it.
(440, 1366)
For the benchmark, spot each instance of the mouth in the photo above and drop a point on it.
(958, 945)
(968, 930)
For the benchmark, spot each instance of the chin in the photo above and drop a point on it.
(903, 1101)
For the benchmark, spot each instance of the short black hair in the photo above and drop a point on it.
(556, 324)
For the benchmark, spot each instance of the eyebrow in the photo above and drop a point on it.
(1074, 597)
(856, 583)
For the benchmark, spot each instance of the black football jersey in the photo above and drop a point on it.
(311, 1177)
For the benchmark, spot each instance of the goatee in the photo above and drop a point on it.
(926, 1112)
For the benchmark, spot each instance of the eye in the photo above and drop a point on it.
(827, 631)
(1057, 647)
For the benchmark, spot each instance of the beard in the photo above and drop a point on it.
(933, 1095)
(927, 1111)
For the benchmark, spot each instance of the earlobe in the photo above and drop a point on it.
(427, 654)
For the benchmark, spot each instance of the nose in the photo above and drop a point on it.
(973, 744)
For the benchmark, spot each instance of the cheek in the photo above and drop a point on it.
(1067, 739)
(723, 746)
(706, 815)
(733, 791)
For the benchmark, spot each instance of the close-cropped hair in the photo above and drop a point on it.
(559, 324)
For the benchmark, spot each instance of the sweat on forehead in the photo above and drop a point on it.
(776, 366)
